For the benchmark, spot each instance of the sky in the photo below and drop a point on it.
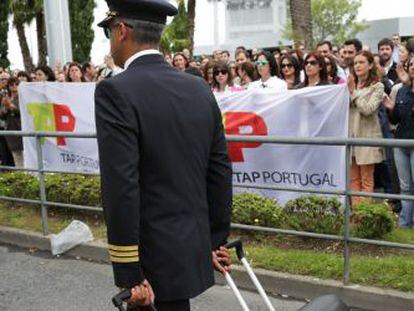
(370, 10)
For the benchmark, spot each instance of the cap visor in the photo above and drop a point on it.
(105, 22)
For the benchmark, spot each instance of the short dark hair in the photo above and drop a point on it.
(24, 74)
(386, 41)
(225, 52)
(86, 66)
(355, 42)
(145, 32)
(48, 73)
(328, 43)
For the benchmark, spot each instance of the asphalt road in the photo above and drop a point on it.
(36, 281)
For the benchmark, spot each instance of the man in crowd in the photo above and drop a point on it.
(165, 170)
(325, 49)
(350, 49)
(225, 57)
(385, 50)
(89, 72)
(396, 40)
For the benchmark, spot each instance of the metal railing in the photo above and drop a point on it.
(320, 141)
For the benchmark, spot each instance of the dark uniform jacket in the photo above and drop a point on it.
(166, 177)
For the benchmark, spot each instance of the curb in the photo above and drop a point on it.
(275, 283)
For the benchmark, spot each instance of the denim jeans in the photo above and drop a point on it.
(404, 160)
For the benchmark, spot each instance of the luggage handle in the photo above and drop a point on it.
(123, 296)
(237, 244)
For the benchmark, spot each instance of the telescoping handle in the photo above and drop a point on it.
(119, 299)
(237, 244)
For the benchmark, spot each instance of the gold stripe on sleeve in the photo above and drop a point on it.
(124, 259)
(123, 248)
(123, 254)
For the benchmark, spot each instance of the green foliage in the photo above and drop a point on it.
(372, 220)
(64, 188)
(4, 28)
(24, 11)
(175, 36)
(315, 214)
(255, 209)
(81, 20)
(336, 20)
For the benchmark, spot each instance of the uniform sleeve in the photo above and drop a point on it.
(219, 183)
(117, 133)
(369, 103)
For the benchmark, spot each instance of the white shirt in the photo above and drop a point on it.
(138, 55)
(272, 83)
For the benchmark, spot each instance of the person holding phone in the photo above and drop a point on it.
(401, 112)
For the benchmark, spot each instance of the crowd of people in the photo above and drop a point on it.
(381, 88)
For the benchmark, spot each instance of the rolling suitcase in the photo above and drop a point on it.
(323, 303)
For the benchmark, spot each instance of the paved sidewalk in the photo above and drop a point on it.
(38, 282)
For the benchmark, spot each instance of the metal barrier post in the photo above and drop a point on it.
(42, 184)
(347, 253)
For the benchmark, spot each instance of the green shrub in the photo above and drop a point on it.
(63, 188)
(255, 209)
(372, 220)
(19, 185)
(315, 214)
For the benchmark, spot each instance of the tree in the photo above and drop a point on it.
(4, 28)
(336, 20)
(301, 22)
(175, 36)
(22, 14)
(82, 34)
(191, 6)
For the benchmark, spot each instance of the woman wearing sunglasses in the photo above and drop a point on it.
(268, 72)
(366, 96)
(223, 79)
(315, 71)
(290, 71)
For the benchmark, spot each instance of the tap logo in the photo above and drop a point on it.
(48, 117)
(243, 123)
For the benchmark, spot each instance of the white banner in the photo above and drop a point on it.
(309, 112)
(65, 107)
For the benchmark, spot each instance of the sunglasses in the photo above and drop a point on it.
(286, 66)
(107, 29)
(263, 63)
(223, 72)
(311, 62)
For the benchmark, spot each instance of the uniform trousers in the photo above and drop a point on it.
(177, 305)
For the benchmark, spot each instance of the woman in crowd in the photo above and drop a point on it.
(208, 73)
(401, 112)
(366, 96)
(332, 70)
(75, 73)
(315, 71)
(290, 71)
(404, 55)
(223, 79)
(268, 72)
(180, 61)
(242, 56)
(246, 73)
(23, 76)
(10, 113)
(44, 74)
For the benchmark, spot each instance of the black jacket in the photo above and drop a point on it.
(403, 114)
(166, 177)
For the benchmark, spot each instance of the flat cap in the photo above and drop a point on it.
(155, 11)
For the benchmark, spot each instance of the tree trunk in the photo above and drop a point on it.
(41, 38)
(300, 12)
(27, 58)
(191, 4)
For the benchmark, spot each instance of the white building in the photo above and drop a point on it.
(249, 23)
